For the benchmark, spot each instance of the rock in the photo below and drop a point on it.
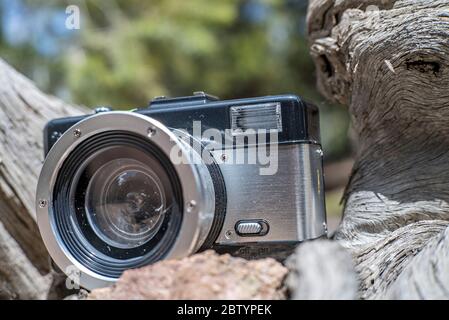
(203, 276)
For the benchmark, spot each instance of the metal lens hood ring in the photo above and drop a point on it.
(195, 180)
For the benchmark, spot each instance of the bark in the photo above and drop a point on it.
(24, 111)
(19, 278)
(389, 62)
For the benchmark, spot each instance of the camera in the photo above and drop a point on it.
(123, 189)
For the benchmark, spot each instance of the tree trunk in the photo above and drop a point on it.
(389, 62)
(24, 111)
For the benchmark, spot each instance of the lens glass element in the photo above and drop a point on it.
(125, 203)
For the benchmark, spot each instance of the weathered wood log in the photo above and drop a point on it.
(389, 62)
(19, 278)
(24, 111)
(427, 275)
(322, 269)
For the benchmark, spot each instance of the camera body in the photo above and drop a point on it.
(244, 176)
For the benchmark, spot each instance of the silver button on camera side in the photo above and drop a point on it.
(251, 228)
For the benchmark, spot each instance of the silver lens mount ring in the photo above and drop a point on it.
(194, 178)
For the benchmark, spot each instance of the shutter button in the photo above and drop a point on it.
(246, 228)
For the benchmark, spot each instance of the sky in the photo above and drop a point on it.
(43, 28)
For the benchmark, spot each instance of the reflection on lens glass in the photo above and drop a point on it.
(125, 203)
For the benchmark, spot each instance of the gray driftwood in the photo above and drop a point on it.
(322, 269)
(389, 62)
(24, 111)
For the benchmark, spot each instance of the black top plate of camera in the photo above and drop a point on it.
(300, 119)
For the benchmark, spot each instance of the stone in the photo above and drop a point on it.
(202, 276)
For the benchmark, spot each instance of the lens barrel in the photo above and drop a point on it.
(116, 200)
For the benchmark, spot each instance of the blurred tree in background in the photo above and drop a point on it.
(171, 47)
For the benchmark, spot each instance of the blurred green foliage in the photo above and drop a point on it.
(135, 50)
(127, 52)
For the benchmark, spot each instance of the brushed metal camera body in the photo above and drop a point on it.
(213, 202)
(291, 200)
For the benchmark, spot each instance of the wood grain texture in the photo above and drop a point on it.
(24, 111)
(389, 62)
(322, 269)
(19, 278)
(428, 275)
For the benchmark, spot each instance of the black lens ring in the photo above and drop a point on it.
(220, 203)
(63, 204)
